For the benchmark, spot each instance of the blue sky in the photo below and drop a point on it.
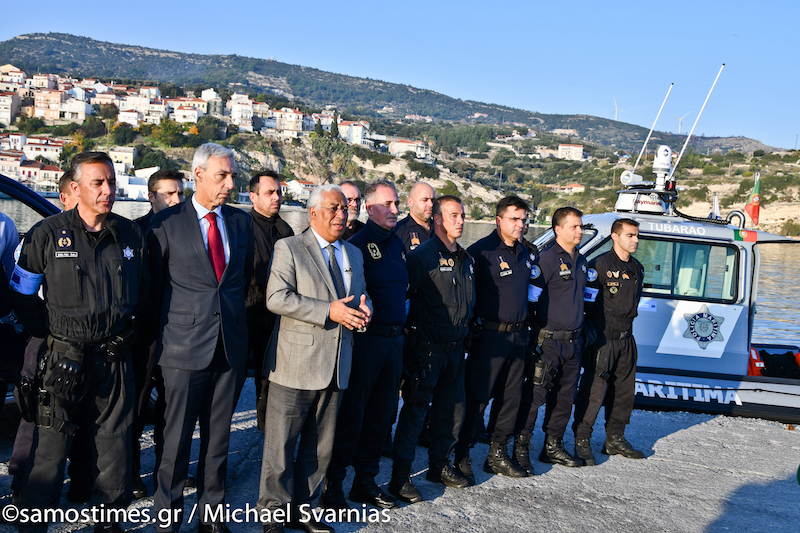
(550, 57)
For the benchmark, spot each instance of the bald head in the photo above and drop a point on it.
(420, 202)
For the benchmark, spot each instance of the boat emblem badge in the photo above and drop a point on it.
(703, 327)
(535, 271)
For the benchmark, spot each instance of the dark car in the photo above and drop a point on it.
(25, 208)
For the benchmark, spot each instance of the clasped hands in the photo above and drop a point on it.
(351, 318)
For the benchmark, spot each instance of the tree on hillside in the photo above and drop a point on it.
(93, 127)
(108, 111)
(208, 128)
(123, 133)
(335, 125)
(318, 129)
(170, 133)
(30, 125)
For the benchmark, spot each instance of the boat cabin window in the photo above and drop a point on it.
(684, 269)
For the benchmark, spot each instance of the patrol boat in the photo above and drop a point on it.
(695, 322)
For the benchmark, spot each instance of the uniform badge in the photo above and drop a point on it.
(613, 290)
(533, 257)
(505, 270)
(564, 271)
(583, 267)
(445, 264)
(403, 256)
(703, 327)
(528, 264)
(609, 274)
(535, 271)
(616, 273)
(64, 240)
(374, 251)
(414, 240)
(592, 274)
(625, 275)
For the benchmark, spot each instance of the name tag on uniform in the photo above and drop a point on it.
(505, 273)
(66, 254)
(590, 294)
(533, 293)
(445, 269)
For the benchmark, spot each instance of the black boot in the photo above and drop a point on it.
(332, 496)
(553, 452)
(400, 485)
(365, 490)
(618, 445)
(464, 465)
(522, 453)
(443, 472)
(498, 461)
(583, 451)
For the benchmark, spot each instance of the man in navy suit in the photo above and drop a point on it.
(202, 251)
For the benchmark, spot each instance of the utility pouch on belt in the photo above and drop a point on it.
(28, 399)
(120, 343)
(543, 374)
(475, 327)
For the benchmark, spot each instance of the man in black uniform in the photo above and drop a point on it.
(164, 189)
(91, 264)
(609, 377)
(442, 293)
(365, 414)
(558, 281)
(496, 362)
(417, 227)
(268, 227)
(353, 196)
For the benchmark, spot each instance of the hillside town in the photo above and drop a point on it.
(58, 100)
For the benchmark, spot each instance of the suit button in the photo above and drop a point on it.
(216, 313)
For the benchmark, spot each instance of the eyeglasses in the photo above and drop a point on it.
(335, 208)
(515, 220)
(354, 200)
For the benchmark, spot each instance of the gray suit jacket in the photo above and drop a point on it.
(306, 347)
(189, 306)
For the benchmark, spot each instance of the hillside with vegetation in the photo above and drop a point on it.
(66, 54)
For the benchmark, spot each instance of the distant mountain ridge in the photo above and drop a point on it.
(60, 53)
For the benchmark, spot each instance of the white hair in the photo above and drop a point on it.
(315, 199)
(206, 152)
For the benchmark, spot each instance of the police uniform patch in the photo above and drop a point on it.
(505, 270)
(625, 275)
(613, 290)
(127, 253)
(583, 267)
(444, 266)
(450, 262)
(703, 327)
(403, 256)
(64, 241)
(564, 271)
(414, 240)
(592, 275)
(374, 251)
(616, 273)
(535, 271)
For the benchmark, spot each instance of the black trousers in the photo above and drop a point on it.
(495, 369)
(105, 406)
(442, 382)
(618, 359)
(368, 405)
(210, 395)
(565, 357)
(80, 454)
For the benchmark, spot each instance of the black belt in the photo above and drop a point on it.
(618, 335)
(87, 348)
(442, 347)
(385, 331)
(566, 335)
(503, 327)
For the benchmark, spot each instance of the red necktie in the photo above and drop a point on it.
(215, 251)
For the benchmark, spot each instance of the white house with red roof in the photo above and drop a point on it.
(300, 189)
(418, 148)
(355, 132)
(186, 115)
(9, 107)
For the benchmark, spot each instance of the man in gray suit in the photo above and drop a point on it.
(316, 286)
(201, 253)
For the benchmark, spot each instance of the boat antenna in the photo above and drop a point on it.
(644, 146)
(675, 166)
